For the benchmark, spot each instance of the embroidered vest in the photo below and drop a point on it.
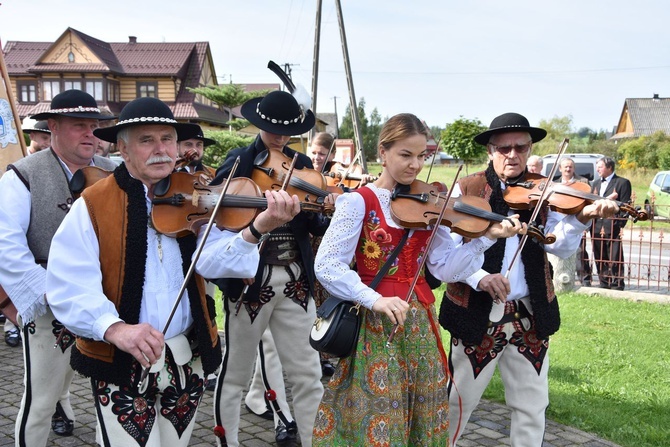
(376, 243)
(118, 213)
(464, 312)
(43, 175)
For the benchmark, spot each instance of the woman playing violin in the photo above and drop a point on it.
(322, 151)
(412, 371)
(279, 296)
(507, 320)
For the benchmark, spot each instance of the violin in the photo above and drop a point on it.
(85, 177)
(564, 198)
(182, 203)
(419, 204)
(271, 168)
(349, 177)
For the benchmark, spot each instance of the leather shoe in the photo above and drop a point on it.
(286, 435)
(13, 337)
(267, 415)
(327, 369)
(604, 286)
(61, 426)
(586, 283)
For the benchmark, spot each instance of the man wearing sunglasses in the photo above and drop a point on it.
(505, 319)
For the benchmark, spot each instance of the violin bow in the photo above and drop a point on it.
(437, 151)
(536, 211)
(428, 244)
(191, 269)
(261, 247)
(330, 151)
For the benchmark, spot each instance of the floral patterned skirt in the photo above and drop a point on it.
(388, 396)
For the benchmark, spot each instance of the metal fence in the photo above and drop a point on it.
(630, 258)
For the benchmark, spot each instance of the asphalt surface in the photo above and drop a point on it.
(488, 426)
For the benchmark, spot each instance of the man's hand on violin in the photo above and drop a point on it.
(507, 228)
(602, 208)
(394, 307)
(282, 208)
(495, 285)
(330, 199)
(142, 341)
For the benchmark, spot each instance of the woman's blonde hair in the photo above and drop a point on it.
(399, 127)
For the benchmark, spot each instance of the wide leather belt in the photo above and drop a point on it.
(520, 311)
(281, 250)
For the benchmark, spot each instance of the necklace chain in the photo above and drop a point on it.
(158, 239)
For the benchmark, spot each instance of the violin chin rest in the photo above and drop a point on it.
(162, 187)
(77, 182)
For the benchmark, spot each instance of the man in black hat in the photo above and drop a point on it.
(191, 149)
(114, 280)
(279, 295)
(40, 136)
(503, 318)
(34, 199)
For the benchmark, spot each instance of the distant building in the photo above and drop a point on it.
(643, 117)
(114, 74)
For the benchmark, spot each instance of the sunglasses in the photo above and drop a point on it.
(518, 148)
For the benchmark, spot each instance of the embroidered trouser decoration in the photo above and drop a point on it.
(162, 414)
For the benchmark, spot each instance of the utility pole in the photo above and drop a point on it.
(337, 122)
(352, 96)
(315, 59)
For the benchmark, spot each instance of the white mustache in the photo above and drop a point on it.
(159, 159)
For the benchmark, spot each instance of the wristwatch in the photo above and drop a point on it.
(257, 234)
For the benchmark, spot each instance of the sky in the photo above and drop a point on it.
(438, 59)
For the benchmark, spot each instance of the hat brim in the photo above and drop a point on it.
(27, 131)
(207, 141)
(536, 133)
(248, 111)
(109, 133)
(84, 115)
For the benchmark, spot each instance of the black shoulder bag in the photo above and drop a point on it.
(338, 321)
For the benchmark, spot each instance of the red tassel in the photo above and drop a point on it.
(271, 395)
(219, 432)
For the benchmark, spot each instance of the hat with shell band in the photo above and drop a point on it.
(510, 122)
(194, 132)
(143, 111)
(37, 126)
(75, 104)
(278, 113)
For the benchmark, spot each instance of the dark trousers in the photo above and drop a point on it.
(583, 263)
(608, 256)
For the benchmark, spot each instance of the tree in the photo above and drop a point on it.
(225, 141)
(347, 129)
(457, 140)
(228, 95)
(645, 152)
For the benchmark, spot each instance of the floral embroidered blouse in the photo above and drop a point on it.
(351, 224)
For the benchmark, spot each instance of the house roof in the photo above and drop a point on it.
(647, 116)
(185, 60)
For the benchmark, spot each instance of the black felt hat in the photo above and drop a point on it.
(75, 104)
(194, 132)
(38, 126)
(278, 113)
(142, 111)
(510, 122)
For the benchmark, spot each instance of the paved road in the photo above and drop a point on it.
(489, 425)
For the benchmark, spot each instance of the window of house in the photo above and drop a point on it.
(27, 92)
(94, 88)
(69, 84)
(147, 89)
(113, 91)
(50, 89)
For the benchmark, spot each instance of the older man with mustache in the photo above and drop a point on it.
(113, 280)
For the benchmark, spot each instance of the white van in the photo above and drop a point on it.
(585, 165)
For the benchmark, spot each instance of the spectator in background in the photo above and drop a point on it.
(105, 147)
(40, 136)
(583, 265)
(534, 164)
(607, 250)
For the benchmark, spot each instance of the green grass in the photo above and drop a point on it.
(610, 370)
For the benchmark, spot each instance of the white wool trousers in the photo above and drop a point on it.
(46, 380)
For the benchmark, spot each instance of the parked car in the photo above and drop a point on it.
(657, 201)
(585, 165)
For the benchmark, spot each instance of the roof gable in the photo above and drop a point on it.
(649, 115)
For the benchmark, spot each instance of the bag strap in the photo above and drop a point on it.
(387, 265)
